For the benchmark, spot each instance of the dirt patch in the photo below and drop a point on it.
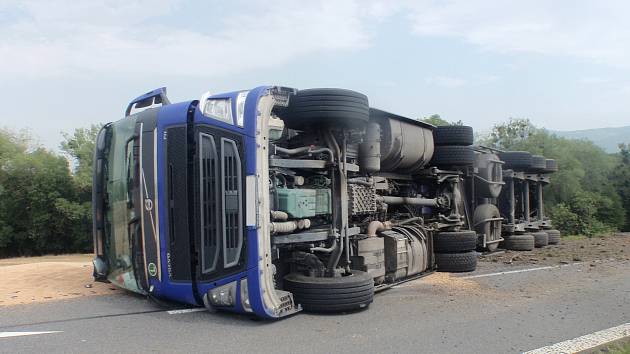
(593, 250)
(29, 280)
(451, 283)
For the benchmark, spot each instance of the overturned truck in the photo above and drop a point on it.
(274, 200)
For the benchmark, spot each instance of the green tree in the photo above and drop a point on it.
(436, 120)
(79, 146)
(42, 207)
(621, 181)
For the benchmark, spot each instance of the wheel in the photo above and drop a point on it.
(492, 229)
(453, 156)
(516, 160)
(519, 242)
(553, 236)
(539, 163)
(334, 294)
(327, 106)
(453, 135)
(489, 176)
(540, 239)
(551, 165)
(455, 241)
(456, 262)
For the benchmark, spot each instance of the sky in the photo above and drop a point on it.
(564, 64)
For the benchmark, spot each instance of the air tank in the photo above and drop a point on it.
(406, 145)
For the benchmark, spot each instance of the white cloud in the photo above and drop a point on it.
(446, 81)
(64, 37)
(593, 30)
(141, 37)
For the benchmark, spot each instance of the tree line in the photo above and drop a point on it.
(45, 196)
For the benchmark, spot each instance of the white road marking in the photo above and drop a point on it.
(412, 283)
(517, 271)
(20, 334)
(586, 342)
(506, 272)
(179, 312)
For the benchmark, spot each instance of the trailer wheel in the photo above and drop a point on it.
(553, 236)
(453, 135)
(519, 242)
(516, 160)
(539, 163)
(446, 156)
(551, 165)
(455, 241)
(327, 106)
(331, 294)
(456, 262)
(540, 239)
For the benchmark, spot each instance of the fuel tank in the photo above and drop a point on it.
(406, 144)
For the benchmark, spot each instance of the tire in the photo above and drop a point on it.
(327, 106)
(446, 156)
(519, 242)
(540, 239)
(551, 165)
(456, 262)
(455, 241)
(453, 135)
(516, 160)
(484, 212)
(487, 173)
(539, 163)
(338, 294)
(553, 236)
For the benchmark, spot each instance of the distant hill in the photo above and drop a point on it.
(606, 138)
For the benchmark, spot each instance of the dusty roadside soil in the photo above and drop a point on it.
(38, 279)
(594, 250)
(27, 280)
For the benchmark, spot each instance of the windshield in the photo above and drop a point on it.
(119, 210)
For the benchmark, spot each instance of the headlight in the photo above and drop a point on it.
(224, 295)
(240, 107)
(218, 108)
(245, 296)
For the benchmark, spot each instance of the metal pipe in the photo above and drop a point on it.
(541, 214)
(407, 200)
(377, 226)
(344, 196)
(337, 247)
(279, 215)
(335, 254)
(283, 227)
(407, 221)
(511, 201)
(305, 149)
(526, 200)
(359, 181)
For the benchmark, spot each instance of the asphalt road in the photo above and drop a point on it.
(499, 313)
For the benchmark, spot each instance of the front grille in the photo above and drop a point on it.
(208, 162)
(232, 209)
